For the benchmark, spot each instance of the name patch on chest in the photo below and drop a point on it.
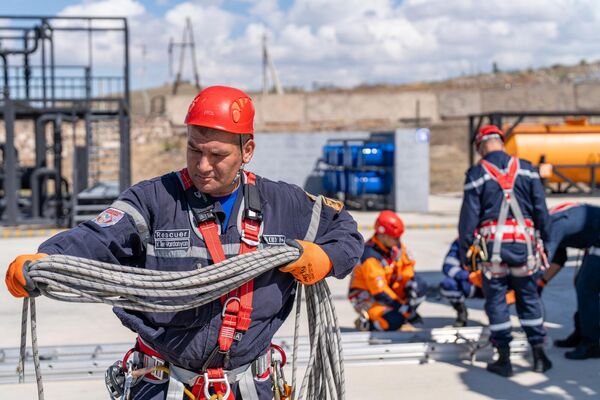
(172, 239)
(274, 240)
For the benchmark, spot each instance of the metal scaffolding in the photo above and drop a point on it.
(52, 74)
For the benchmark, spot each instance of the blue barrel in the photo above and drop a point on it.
(334, 181)
(369, 182)
(330, 183)
(351, 154)
(377, 154)
(333, 154)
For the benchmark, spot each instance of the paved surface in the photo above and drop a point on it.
(64, 323)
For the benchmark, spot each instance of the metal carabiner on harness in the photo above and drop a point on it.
(131, 362)
(229, 299)
(281, 389)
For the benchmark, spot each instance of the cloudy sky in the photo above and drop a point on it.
(339, 42)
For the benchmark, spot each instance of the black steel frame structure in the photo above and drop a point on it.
(36, 87)
(568, 186)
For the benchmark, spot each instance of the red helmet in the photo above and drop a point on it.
(488, 132)
(389, 223)
(224, 108)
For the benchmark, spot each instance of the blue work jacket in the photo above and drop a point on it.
(151, 226)
(576, 226)
(483, 197)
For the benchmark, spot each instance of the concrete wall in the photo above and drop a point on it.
(547, 97)
(389, 109)
(587, 96)
(457, 103)
(292, 158)
(326, 111)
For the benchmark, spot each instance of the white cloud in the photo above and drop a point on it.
(354, 41)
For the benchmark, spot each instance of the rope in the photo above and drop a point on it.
(75, 279)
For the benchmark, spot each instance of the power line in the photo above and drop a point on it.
(186, 41)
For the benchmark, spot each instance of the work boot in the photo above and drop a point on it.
(541, 363)
(362, 323)
(462, 316)
(502, 365)
(584, 350)
(574, 339)
(414, 318)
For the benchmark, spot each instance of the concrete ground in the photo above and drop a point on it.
(63, 323)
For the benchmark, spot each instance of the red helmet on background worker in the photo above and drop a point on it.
(487, 132)
(389, 223)
(223, 108)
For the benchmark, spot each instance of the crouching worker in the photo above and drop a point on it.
(198, 216)
(384, 290)
(461, 283)
(457, 286)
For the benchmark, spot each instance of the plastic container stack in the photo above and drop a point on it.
(358, 168)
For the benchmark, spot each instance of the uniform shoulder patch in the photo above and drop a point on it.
(335, 204)
(108, 217)
(328, 201)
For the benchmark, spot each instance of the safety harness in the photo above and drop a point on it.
(215, 382)
(504, 229)
(237, 304)
(362, 300)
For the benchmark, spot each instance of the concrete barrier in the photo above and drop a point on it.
(587, 96)
(457, 103)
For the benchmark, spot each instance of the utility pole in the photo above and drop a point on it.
(186, 41)
(269, 66)
(145, 98)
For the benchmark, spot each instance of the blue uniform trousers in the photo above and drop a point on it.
(456, 290)
(529, 309)
(588, 292)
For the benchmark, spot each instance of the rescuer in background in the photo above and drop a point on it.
(384, 290)
(503, 204)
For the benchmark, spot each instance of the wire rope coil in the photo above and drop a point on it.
(74, 279)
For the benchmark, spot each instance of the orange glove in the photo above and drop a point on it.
(476, 278)
(510, 297)
(312, 266)
(15, 274)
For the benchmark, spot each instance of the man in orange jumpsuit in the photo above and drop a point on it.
(384, 289)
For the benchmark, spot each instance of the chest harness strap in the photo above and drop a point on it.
(507, 229)
(237, 304)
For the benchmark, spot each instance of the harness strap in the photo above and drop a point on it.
(237, 304)
(506, 181)
(218, 378)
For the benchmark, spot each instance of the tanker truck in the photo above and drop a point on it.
(568, 144)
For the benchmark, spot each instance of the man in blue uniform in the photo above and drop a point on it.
(504, 203)
(460, 284)
(456, 286)
(209, 211)
(578, 226)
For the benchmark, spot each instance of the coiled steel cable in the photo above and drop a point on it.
(75, 279)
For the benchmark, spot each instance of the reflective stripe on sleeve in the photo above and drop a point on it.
(139, 220)
(477, 182)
